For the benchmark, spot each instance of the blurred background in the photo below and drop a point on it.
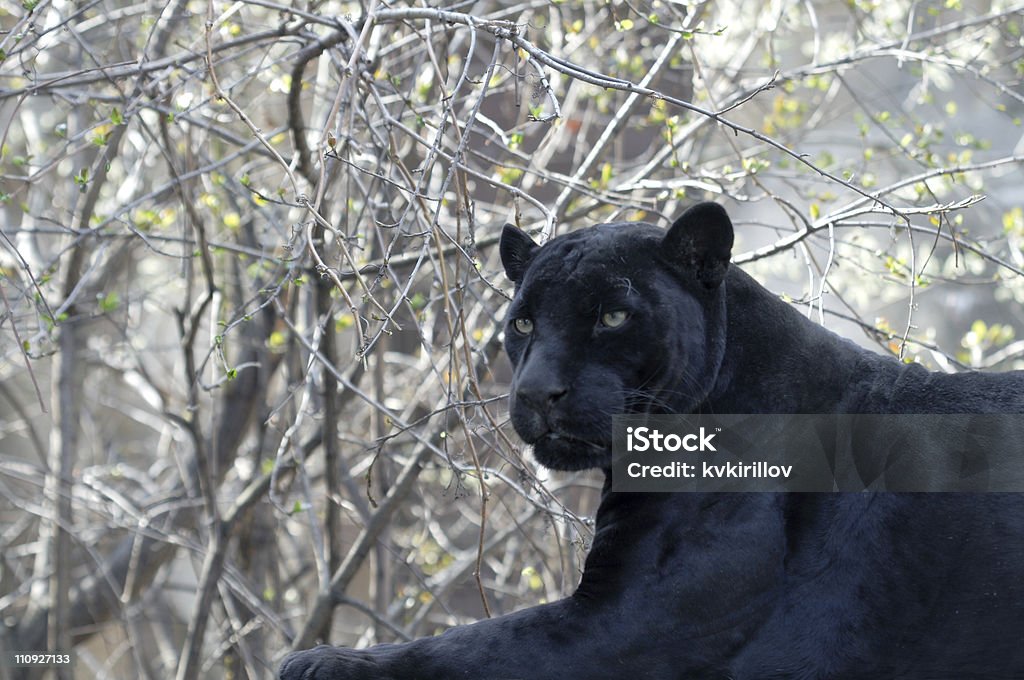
(251, 379)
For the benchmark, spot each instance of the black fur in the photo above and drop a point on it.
(739, 586)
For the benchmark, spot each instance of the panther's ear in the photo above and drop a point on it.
(700, 241)
(517, 249)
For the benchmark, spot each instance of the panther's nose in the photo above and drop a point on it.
(540, 397)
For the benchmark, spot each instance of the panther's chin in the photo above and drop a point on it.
(563, 452)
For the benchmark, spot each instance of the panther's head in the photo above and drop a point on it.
(617, 318)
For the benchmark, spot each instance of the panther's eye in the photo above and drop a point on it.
(614, 319)
(524, 326)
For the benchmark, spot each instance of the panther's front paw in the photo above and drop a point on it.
(330, 663)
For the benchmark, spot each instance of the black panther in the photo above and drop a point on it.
(629, 318)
